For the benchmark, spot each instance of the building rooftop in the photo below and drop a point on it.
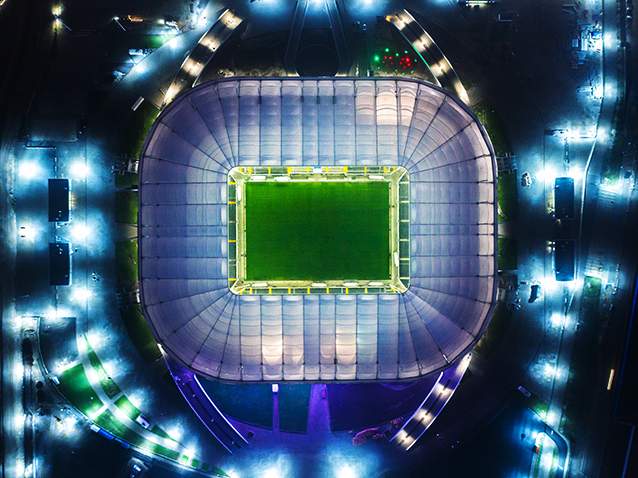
(184, 225)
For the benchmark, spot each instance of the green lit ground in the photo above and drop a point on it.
(317, 231)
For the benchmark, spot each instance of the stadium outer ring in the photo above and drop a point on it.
(174, 356)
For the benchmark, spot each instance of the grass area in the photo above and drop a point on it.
(293, 407)
(130, 410)
(507, 197)
(156, 41)
(495, 128)
(75, 386)
(136, 128)
(136, 325)
(115, 427)
(507, 251)
(108, 385)
(250, 403)
(592, 288)
(126, 180)
(317, 231)
(495, 331)
(140, 332)
(126, 207)
(126, 262)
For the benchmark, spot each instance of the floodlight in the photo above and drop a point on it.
(175, 432)
(550, 371)
(272, 472)
(558, 320)
(346, 471)
(136, 399)
(95, 338)
(546, 174)
(18, 371)
(79, 232)
(28, 169)
(174, 43)
(190, 451)
(81, 294)
(79, 169)
(28, 232)
(609, 40)
(67, 425)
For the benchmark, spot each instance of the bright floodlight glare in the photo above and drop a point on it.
(92, 376)
(67, 425)
(95, 338)
(547, 174)
(602, 135)
(550, 371)
(175, 432)
(18, 420)
(136, 399)
(175, 42)
(140, 68)
(232, 474)
(573, 134)
(54, 315)
(62, 365)
(576, 173)
(79, 169)
(80, 232)
(608, 39)
(109, 368)
(551, 418)
(81, 294)
(28, 169)
(557, 320)
(190, 451)
(28, 232)
(56, 10)
(598, 91)
(272, 472)
(576, 284)
(18, 372)
(18, 321)
(346, 471)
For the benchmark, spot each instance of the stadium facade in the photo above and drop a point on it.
(291, 122)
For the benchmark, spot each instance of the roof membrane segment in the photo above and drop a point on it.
(317, 122)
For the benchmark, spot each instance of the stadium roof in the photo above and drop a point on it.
(183, 229)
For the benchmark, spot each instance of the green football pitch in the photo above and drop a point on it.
(317, 230)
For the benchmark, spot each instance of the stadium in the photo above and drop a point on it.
(317, 229)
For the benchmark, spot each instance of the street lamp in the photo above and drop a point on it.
(56, 10)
